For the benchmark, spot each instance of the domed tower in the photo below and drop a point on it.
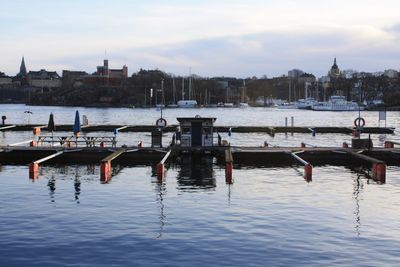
(334, 72)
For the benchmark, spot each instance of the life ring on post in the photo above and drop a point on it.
(161, 123)
(359, 122)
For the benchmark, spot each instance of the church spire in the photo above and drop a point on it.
(22, 68)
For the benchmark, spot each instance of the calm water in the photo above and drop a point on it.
(268, 216)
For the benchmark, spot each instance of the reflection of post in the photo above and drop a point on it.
(160, 197)
(77, 185)
(52, 187)
(356, 193)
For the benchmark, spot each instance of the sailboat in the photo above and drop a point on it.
(173, 105)
(243, 96)
(189, 103)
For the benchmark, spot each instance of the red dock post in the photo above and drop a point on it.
(161, 166)
(379, 172)
(308, 172)
(228, 166)
(105, 171)
(228, 172)
(33, 170)
(160, 171)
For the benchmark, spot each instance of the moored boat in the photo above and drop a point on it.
(337, 103)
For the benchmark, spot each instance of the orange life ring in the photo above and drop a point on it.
(359, 122)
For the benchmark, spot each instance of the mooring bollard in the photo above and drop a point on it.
(265, 144)
(303, 144)
(3, 119)
(345, 145)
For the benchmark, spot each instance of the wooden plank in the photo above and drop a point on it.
(21, 143)
(114, 155)
(7, 127)
(363, 157)
(48, 157)
(165, 157)
(297, 158)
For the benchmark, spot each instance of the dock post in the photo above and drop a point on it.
(292, 121)
(33, 170)
(302, 144)
(228, 166)
(160, 171)
(308, 172)
(345, 145)
(161, 166)
(105, 170)
(379, 172)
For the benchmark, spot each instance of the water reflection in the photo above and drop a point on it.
(52, 188)
(196, 172)
(161, 191)
(357, 190)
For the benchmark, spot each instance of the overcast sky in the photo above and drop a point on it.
(214, 38)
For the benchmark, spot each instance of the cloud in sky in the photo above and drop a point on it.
(231, 38)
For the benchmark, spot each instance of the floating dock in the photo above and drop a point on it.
(271, 130)
(376, 158)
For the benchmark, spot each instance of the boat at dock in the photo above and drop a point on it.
(337, 103)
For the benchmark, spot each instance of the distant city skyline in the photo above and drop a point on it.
(214, 38)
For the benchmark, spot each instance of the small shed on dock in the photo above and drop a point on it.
(196, 131)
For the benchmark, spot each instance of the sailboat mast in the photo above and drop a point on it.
(183, 88)
(190, 87)
(173, 91)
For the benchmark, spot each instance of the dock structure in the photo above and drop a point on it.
(195, 137)
(270, 130)
(376, 159)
